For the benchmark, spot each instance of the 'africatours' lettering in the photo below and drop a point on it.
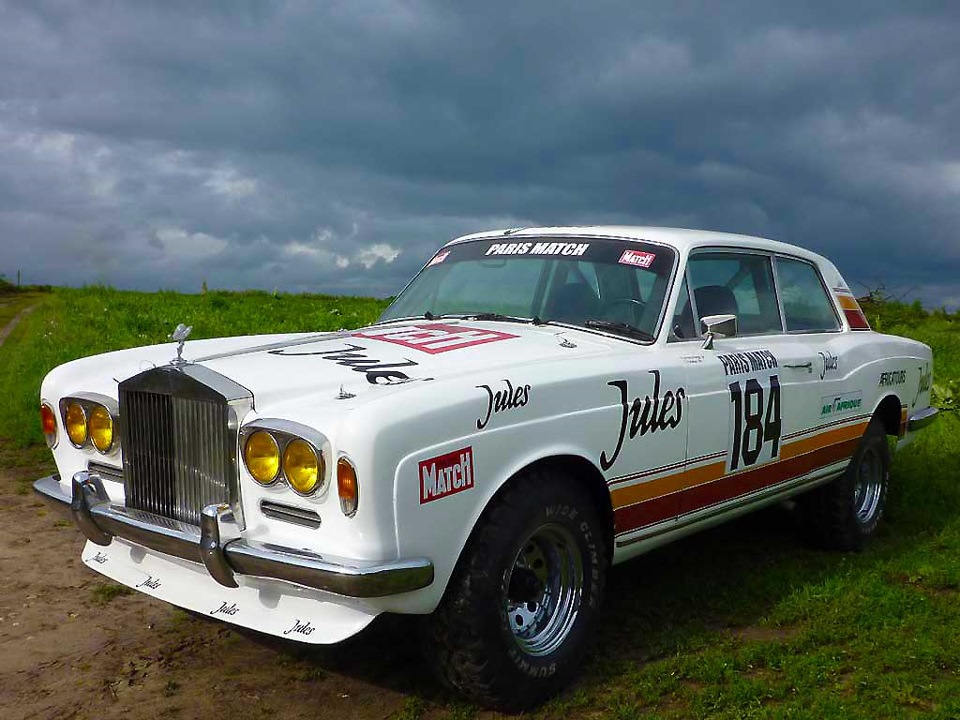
(353, 357)
(645, 416)
(748, 361)
(506, 399)
(446, 475)
(896, 377)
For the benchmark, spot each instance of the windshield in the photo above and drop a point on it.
(606, 284)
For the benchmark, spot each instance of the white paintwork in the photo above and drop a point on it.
(388, 429)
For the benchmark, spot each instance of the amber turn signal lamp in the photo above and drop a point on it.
(347, 486)
(48, 423)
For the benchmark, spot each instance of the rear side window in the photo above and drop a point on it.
(806, 305)
(738, 284)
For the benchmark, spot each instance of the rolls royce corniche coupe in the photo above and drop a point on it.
(536, 405)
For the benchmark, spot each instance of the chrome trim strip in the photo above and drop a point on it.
(99, 520)
(290, 513)
(315, 337)
(922, 419)
(106, 472)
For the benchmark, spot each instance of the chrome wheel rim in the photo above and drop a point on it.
(542, 590)
(869, 487)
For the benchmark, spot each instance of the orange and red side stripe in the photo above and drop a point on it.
(695, 488)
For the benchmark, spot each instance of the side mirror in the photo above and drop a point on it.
(717, 326)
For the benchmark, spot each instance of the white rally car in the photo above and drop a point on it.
(536, 405)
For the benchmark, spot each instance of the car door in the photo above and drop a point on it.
(838, 414)
(749, 394)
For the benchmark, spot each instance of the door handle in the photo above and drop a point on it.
(808, 365)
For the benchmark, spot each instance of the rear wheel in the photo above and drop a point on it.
(843, 514)
(524, 600)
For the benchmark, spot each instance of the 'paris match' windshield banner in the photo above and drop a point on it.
(656, 258)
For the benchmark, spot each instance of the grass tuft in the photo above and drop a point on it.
(104, 593)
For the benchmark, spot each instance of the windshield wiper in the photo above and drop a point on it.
(482, 316)
(621, 328)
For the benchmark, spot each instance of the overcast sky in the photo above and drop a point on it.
(332, 146)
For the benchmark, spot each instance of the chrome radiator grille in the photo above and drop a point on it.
(178, 443)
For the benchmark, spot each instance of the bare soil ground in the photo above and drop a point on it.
(74, 645)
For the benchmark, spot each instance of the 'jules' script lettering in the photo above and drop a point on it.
(301, 628)
(507, 398)
(648, 415)
(353, 357)
(225, 609)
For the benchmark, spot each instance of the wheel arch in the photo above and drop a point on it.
(888, 410)
(593, 481)
(581, 469)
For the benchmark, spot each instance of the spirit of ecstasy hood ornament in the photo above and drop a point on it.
(180, 336)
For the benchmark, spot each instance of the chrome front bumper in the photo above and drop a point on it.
(922, 418)
(216, 544)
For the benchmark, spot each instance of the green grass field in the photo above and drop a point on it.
(743, 621)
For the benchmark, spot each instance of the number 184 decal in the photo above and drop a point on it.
(755, 422)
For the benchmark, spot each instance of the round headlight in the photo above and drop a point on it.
(101, 428)
(262, 455)
(76, 422)
(302, 467)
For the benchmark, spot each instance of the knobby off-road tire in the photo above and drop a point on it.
(844, 514)
(524, 599)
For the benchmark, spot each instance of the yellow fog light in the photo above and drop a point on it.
(302, 467)
(101, 428)
(76, 422)
(262, 455)
(347, 487)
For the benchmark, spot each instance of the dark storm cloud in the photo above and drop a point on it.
(332, 146)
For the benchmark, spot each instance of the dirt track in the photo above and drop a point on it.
(69, 648)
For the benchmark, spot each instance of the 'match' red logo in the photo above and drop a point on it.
(637, 258)
(434, 338)
(446, 475)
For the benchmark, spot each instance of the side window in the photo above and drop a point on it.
(738, 284)
(683, 327)
(806, 305)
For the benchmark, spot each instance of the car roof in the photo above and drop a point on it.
(679, 238)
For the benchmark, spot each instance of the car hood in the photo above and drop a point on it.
(286, 373)
(382, 360)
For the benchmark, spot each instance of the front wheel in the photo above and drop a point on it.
(845, 513)
(524, 599)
